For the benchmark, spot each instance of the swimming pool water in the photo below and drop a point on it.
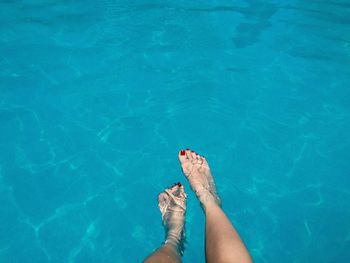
(98, 97)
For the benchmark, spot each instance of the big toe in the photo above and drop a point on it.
(173, 189)
(182, 193)
(183, 157)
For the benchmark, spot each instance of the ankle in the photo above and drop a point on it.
(208, 200)
(175, 242)
(175, 236)
(210, 205)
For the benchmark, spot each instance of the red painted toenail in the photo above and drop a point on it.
(182, 152)
(179, 184)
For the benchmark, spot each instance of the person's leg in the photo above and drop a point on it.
(165, 254)
(222, 242)
(172, 205)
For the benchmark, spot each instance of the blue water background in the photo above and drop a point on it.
(98, 97)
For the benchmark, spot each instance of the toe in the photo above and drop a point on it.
(193, 155)
(173, 188)
(182, 192)
(163, 202)
(205, 163)
(186, 161)
(179, 192)
(188, 155)
(183, 157)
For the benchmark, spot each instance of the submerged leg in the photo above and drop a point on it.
(172, 205)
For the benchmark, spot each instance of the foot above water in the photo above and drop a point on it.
(197, 171)
(172, 205)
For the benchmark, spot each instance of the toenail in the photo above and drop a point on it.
(182, 152)
(179, 184)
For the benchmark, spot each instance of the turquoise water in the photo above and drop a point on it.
(98, 97)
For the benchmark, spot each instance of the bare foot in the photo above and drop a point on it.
(197, 171)
(172, 205)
